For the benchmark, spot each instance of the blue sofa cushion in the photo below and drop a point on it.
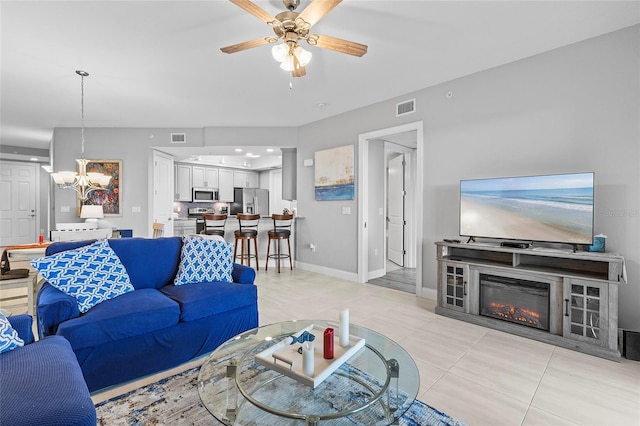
(203, 260)
(91, 274)
(9, 339)
(210, 298)
(150, 262)
(23, 325)
(131, 314)
(42, 384)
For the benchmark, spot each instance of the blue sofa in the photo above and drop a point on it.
(156, 326)
(41, 383)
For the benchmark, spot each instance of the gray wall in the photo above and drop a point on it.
(572, 109)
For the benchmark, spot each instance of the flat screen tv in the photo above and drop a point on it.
(549, 208)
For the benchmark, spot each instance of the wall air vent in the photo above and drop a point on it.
(178, 138)
(406, 107)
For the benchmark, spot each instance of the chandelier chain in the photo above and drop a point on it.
(82, 112)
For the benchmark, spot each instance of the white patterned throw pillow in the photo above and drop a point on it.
(204, 260)
(9, 339)
(91, 274)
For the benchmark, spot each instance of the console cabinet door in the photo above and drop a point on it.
(586, 311)
(455, 286)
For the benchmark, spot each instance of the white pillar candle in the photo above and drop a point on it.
(308, 359)
(344, 328)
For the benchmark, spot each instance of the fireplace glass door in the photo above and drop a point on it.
(518, 301)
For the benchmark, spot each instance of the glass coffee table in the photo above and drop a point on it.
(373, 387)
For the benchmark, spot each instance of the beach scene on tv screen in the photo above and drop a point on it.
(555, 208)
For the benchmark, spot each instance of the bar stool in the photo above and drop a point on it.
(214, 224)
(281, 231)
(247, 231)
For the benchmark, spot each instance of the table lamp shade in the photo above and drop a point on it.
(91, 212)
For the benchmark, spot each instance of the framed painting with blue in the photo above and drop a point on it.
(111, 198)
(334, 175)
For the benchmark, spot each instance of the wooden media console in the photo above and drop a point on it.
(580, 294)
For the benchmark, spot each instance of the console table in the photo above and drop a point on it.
(582, 291)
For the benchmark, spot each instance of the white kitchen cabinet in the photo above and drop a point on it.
(205, 177)
(245, 179)
(183, 183)
(184, 227)
(225, 181)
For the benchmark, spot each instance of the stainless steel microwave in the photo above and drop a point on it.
(204, 195)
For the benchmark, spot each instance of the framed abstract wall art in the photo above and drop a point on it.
(334, 174)
(111, 198)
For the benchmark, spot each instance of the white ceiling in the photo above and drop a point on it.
(158, 63)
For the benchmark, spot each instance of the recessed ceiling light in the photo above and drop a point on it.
(33, 159)
(269, 149)
(321, 105)
(248, 154)
(238, 149)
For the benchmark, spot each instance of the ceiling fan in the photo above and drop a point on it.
(292, 27)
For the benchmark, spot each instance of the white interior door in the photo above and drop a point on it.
(396, 210)
(17, 203)
(163, 192)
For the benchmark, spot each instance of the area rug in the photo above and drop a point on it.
(175, 401)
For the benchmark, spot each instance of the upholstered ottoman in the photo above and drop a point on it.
(41, 383)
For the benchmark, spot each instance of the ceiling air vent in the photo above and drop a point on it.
(406, 107)
(178, 138)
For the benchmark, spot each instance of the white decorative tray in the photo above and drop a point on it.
(285, 359)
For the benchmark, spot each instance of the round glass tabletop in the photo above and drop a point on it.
(374, 386)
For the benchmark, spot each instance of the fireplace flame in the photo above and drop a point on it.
(510, 312)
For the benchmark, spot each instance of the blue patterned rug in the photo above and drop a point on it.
(175, 401)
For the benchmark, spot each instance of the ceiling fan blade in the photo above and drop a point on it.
(255, 10)
(299, 72)
(246, 45)
(317, 9)
(339, 45)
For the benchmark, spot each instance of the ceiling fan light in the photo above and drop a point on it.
(304, 56)
(279, 52)
(287, 64)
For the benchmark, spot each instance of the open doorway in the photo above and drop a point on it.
(402, 213)
(399, 167)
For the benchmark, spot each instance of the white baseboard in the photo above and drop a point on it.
(349, 276)
(376, 274)
(429, 293)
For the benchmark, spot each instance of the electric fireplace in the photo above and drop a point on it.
(514, 300)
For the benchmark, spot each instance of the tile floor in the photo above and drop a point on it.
(477, 375)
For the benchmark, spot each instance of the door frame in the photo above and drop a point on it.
(152, 211)
(363, 196)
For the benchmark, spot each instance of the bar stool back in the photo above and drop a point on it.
(281, 231)
(247, 231)
(214, 224)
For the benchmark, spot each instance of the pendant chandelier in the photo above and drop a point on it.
(82, 182)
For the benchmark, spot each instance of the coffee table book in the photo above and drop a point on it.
(285, 359)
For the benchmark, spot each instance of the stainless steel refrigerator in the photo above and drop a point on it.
(250, 200)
